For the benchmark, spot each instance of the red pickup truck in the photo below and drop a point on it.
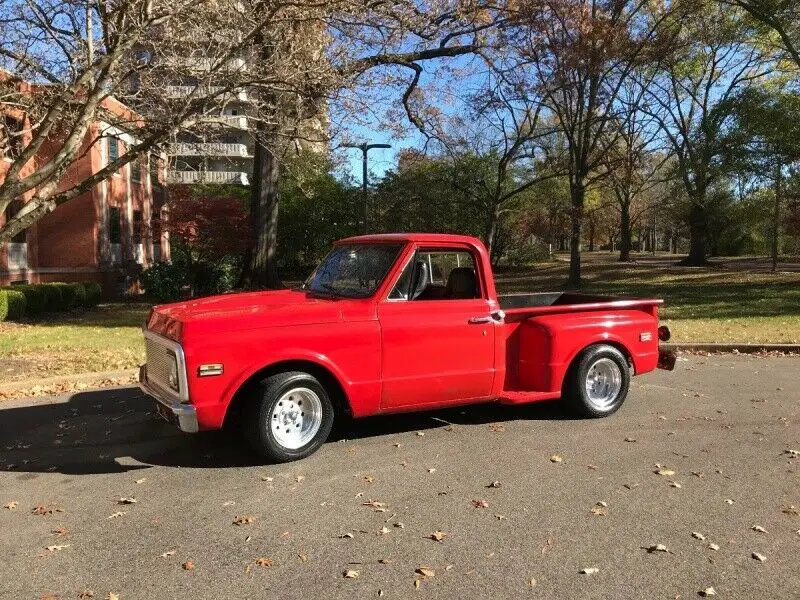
(389, 323)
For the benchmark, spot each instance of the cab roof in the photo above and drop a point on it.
(426, 238)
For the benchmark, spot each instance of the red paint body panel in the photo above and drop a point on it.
(397, 356)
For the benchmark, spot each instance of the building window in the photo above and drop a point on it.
(11, 210)
(114, 225)
(137, 227)
(113, 149)
(136, 172)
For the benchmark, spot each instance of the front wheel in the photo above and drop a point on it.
(290, 417)
(598, 381)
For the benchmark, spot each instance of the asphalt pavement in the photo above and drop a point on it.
(522, 499)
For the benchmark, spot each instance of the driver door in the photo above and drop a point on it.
(437, 342)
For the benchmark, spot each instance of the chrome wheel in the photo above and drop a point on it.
(296, 418)
(603, 383)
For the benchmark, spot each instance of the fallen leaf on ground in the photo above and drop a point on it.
(758, 557)
(759, 529)
(350, 574)
(265, 478)
(347, 535)
(188, 565)
(497, 427)
(675, 484)
(665, 472)
(494, 484)
(630, 439)
(698, 536)
(112, 596)
(480, 504)
(116, 515)
(299, 478)
(657, 548)
(499, 517)
(374, 504)
(141, 481)
(533, 582)
(57, 547)
(400, 525)
(555, 458)
(61, 531)
(11, 505)
(167, 553)
(383, 530)
(438, 535)
(709, 591)
(426, 571)
(598, 511)
(791, 510)
(127, 501)
(728, 501)
(420, 433)
(244, 520)
(714, 547)
(369, 479)
(431, 470)
(86, 594)
(416, 583)
(384, 561)
(698, 474)
(792, 453)
(589, 571)
(228, 503)
(303, 557)
(44, 510)
(264, 562)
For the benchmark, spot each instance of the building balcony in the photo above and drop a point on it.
(202, 64)
(222, 177)
(233, 121)
(203, 91)
(208, 149)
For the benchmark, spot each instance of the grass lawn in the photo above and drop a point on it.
(715, 304)
(106, 338)
(718, 304)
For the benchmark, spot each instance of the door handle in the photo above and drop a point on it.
(479, 320)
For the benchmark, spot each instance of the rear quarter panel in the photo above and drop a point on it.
(543, 347)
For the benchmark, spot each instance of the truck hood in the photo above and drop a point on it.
(248, 310)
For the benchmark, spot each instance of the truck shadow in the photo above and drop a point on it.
(116, 430)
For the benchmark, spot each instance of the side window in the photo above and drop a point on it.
(438, 275)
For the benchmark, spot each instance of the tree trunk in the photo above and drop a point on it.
(491, 230)
(577, 195)
(776, 216)
(260, 268)
(591, 236)
(697, 237)
(625, 232)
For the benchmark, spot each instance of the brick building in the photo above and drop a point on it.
(103, 235)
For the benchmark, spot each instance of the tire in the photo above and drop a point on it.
(289, 418)
(598, 381)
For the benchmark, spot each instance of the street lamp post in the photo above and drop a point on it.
(365, 148)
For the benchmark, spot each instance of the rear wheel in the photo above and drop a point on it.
(598, 381)
(290, 416)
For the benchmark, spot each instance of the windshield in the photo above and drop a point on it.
(353, 271)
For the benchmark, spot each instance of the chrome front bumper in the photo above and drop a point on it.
(183, 416)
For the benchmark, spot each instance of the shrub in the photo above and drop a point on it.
(35, 299)
(68, 298)
(16, 305)
(94, 293)
(80, 299)
(52, 295)
(164, 282)
(3, 305)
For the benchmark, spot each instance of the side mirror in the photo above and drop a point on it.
(419, 279)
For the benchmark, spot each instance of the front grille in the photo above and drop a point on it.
(159, 362)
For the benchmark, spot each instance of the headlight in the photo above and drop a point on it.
(173, 373)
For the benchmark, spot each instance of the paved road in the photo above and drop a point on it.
(722, 423)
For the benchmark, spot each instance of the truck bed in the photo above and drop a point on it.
(528, 305)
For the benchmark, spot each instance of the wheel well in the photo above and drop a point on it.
(621, 347)
(327, 379)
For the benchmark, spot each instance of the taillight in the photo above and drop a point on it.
(663, 333)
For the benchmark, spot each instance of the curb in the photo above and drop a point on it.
(733, 348)
(65, 380)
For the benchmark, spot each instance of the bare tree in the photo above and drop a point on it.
(583, 52)
(716, 58)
